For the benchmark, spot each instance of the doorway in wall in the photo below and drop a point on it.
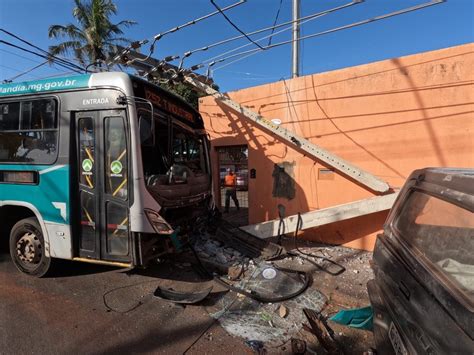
(234, 158)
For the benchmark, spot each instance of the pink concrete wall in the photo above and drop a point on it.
(388, 117)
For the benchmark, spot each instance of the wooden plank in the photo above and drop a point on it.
(323, 216)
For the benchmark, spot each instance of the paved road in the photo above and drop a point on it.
(67, 313)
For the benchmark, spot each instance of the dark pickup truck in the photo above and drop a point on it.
(423, 290)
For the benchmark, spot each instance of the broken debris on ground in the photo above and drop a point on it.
(276, 324)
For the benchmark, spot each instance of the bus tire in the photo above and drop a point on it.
(27, 248)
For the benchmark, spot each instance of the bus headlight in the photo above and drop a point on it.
(158, 223)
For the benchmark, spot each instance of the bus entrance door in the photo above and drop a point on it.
(102, 158)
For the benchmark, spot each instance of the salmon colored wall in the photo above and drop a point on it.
(388, 117)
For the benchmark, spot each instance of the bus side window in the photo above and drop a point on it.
(116, 182)
(86, 152)
(116, 165)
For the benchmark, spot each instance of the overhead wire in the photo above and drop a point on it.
(231, 39)
(69, 67)
(355, 24)
(19, 56)
(234, 25)
(56, 75)
(269, 36)
(53, 57)
(28, 59)
(157, 37)
(24, 72)
(275, 22)
(260, 39)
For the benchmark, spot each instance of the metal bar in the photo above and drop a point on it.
(297, 142)
(323, 216)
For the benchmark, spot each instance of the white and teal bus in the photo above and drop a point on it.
(101, 168)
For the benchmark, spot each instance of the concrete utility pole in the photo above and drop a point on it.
(295, 71)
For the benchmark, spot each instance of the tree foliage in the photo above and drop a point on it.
(190, 95)
(92, 39)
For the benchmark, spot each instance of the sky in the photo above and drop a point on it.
(445, 25)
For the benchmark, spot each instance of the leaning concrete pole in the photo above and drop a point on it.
(296, 40)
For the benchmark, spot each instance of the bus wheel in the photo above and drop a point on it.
(27, 248)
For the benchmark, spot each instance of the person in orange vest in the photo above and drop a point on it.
(230, 182)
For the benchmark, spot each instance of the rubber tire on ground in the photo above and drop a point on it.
(19, 229)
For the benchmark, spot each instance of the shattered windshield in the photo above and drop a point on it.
(168, 144)
(444, 234)
(188, 150)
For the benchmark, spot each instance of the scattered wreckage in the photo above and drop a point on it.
(422, 291)
(269, 303)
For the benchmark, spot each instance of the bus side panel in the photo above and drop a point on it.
(49, 200)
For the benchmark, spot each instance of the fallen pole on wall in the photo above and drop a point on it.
(323, 216)
(159, 69)
(312, 150)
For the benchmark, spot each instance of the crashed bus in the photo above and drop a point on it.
(100, 168)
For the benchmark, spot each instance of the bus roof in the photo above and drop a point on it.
(65, 83)
(45, 85)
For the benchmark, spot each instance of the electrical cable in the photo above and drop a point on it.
(29, 59)
(56, 75)
(305, 18)
(306, 279)
(40, 49)
(355, 24)
(25, 72)
(157, 37)
(299, 223)
(274, 22)
(138, 304)
(40, 55)
(19, 56)
(234, 25)
(195, 67)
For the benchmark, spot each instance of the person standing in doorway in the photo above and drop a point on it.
(230, 182)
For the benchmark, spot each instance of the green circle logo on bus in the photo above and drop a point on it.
(87, 165)
(116, 167)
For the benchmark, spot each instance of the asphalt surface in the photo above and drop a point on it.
(91, 309)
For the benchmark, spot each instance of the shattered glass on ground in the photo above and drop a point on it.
(247, 318)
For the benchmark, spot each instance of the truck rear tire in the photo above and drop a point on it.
(27, 248)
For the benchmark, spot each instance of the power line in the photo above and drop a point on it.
(41, 55)
(64, 61)
(176, 70)
(138, 44)
(25, 72)
(301, 20)
(274, 22)
(18, 55)
(56, 75)
(212, 63)
(363, 22)
(235, 26)
(261, 39)
(26, 58)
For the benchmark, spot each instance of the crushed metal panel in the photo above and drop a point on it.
(323, 216)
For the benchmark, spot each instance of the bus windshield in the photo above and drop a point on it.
(169, 144)
(174, 148)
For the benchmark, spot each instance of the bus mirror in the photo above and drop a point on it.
(147, 131)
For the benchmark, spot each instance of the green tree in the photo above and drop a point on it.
(92, 40)
(189, 94)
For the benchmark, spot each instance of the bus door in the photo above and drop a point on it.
(103, 185)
